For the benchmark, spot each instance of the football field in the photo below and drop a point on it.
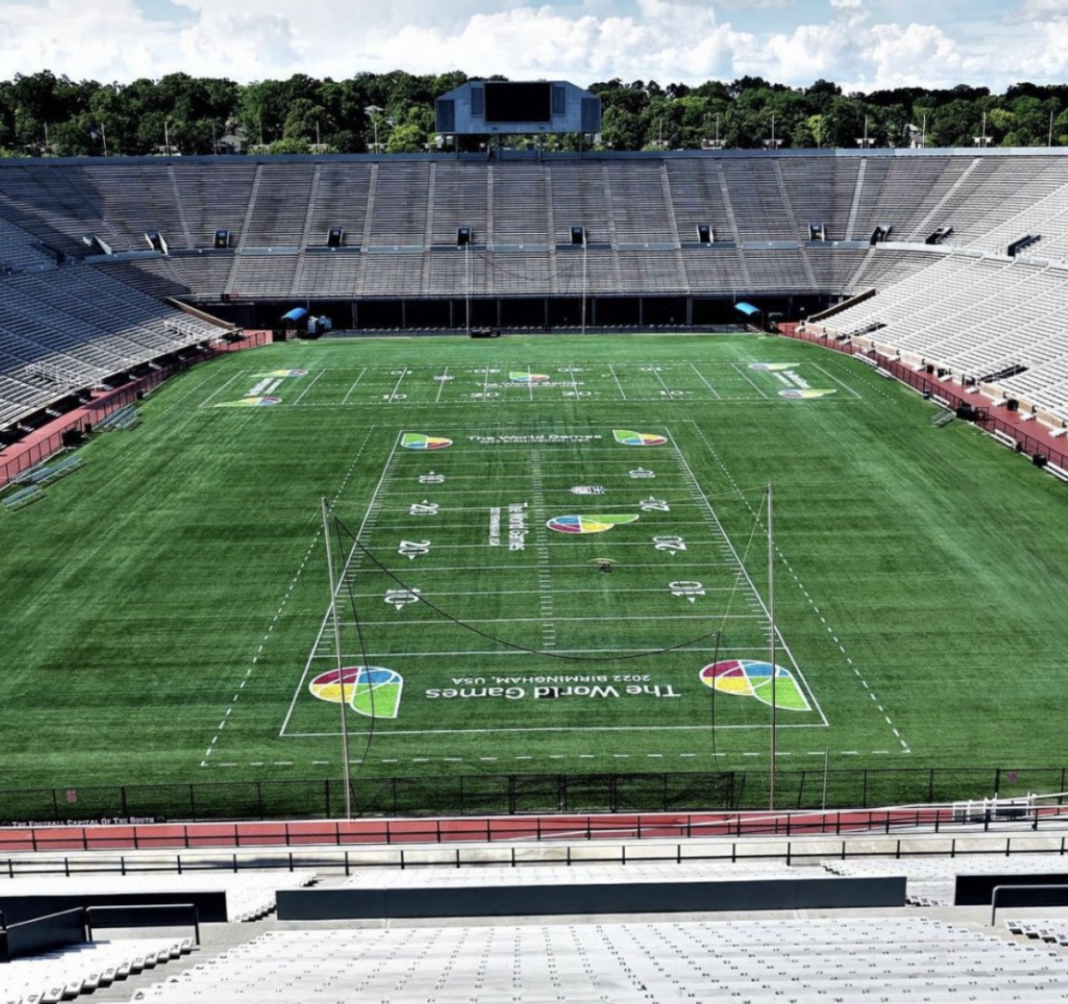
(551, 556)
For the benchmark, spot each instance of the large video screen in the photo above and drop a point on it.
(507, 103)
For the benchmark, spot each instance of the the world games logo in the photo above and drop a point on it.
(587, 524)
(772, 367)
(753, 678)
(417, 441)
(282, 373)
(369, 690)
(529, 377)
(629, 438)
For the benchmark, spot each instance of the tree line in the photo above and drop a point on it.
(42, 114)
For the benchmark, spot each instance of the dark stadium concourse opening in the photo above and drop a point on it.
(566, 312)
(523, 313)
(380, 314)
(663, 311)
(618, 312)
(429, 314)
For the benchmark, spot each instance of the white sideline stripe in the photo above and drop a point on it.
(632, 618)
(326, 617)
(484, 593)
(381, 733)
(704, 646)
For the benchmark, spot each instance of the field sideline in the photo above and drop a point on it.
(558, 538)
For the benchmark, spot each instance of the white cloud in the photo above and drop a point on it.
(1032, 11)
(582, 40)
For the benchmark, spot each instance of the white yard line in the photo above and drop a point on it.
(704, 381)
(615, 376)
(400, 380)
(743, 375)
(345, 399)
(309, 387)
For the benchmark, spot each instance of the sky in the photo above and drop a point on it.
(862, 45)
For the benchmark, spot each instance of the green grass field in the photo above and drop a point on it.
(166, 606)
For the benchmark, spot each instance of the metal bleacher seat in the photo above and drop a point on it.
(878, 958)
(63, 974)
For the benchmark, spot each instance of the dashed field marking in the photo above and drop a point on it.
(285, 600)
(812, 603)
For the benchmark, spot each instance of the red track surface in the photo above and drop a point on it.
(189, 836)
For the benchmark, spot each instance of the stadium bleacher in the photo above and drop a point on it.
(960, 303)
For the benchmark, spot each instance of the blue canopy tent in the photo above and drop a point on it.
(295, 316)
(749, 311)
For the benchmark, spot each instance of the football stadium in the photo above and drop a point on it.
(633, 534)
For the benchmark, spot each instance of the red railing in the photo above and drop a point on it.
(1026, 443)
(495, 829)
(21, 457)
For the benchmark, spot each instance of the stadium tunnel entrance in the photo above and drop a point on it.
(522, 313)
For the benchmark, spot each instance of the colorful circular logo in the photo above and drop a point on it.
(753, 678)
(417, 441)
(369, 690)
(587, 524)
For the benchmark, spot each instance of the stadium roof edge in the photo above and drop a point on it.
(534, 156)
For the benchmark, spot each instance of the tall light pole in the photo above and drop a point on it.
(372, 112)
(585, 247)
(345, 769)
(774, 670)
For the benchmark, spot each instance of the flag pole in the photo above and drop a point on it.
(340, 677)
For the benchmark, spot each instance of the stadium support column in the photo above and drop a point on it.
(771, 625)
(585, 246)
(340, 665)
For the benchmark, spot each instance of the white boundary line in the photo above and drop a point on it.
(752, 586)
(326, 617)
(215, 393)
(754, 598)
(831, 376)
